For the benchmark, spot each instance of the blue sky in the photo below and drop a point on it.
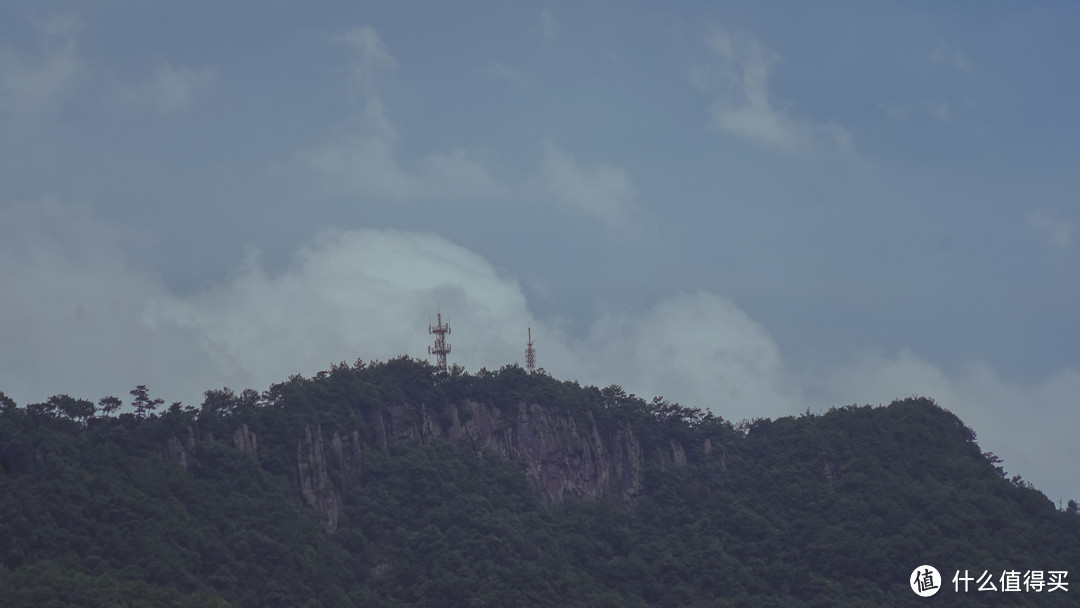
(751, 209)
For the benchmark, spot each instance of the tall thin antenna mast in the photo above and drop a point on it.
(530, 354)
(441, 348)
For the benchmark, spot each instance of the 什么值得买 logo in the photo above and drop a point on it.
(925, 581)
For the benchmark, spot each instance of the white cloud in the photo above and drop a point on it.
(743, 106)
(599, 189)
(69, 309)
(175, 86)
(698, 349)
(80, 320)
(549, 28)
(34, 84)
(371, 58)
(953, 58)
(359, 165)
(369, 166)
(365, 293)
(1049, 225)
(459, 173)
(76, 318)
(362, 159)
(701, 350)
(86, 323)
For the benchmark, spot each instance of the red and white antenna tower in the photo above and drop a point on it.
(441, 348)
(530, 354)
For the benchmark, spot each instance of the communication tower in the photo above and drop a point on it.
(530, 354)
(441, 348)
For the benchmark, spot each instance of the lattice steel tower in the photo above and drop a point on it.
(530, 354)
(441, 348)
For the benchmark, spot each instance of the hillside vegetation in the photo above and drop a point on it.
(391, 484)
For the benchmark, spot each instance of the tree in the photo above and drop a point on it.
(42, 409)
(219, 402)
(248, 401)
(6, 403)
(142, 403)
(109, 404)
(70, 407)
(614, 396)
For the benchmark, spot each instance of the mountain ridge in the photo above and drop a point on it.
(394, 484)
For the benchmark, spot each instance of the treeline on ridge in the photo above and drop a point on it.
(829, 509)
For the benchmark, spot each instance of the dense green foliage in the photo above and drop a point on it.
(833, 509)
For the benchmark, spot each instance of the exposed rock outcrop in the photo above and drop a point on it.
(564, 453)
(180, 449)
(678, 454)
(314, 479)
(244, 439)
(347, 451)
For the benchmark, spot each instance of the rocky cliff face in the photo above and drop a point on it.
(180, 448)
(313, 476)
(245, 440)
(564, 454)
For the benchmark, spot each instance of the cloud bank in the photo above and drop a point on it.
(32, 85)
(76, 318)
(362, 159)
(739, 77)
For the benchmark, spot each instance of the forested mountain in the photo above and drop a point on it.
(392, 484)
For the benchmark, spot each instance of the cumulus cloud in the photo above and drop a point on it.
(87, 323)
(355, 164)
(77, 318)
(363, 159)
(364, 293)
(174, 86)
(81, 320)
(1049, 225)
(33, 84)
(740, 79)
(459, 172)
(369, 166)
(70, 307)
(603, 191)
(699, 349)
(370, 58)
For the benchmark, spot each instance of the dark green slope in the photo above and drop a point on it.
(821, 510)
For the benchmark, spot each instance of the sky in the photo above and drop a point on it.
(757, 209)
